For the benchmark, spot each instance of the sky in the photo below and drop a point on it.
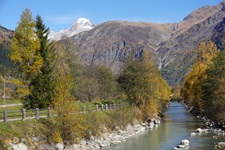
(61, 14)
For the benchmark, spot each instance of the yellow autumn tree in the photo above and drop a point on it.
(142, 83)
(24, 52)
(25, 45)
(191, 89)
(70, 124)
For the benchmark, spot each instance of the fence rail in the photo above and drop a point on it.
(37, 113)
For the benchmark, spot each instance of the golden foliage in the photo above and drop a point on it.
(191, 89)
(150, 109)
(143, 84)
(56, 137)
(25, 45)
(69, 122)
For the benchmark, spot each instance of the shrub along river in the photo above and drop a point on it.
(177, 125)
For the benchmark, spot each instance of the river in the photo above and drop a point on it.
(177, 125)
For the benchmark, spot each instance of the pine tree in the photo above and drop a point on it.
(42, 86)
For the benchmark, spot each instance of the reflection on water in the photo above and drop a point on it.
(177, 125)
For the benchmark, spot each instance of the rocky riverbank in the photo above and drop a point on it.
(105, 139)
(209, 123)
(217, 128)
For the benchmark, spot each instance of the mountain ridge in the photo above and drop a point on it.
(170, 44)
(111, 42)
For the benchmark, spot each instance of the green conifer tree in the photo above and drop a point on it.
(213, 96)
(42, 87)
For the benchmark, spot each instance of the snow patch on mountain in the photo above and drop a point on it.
(82, 24)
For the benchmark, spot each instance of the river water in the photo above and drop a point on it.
(177, 125)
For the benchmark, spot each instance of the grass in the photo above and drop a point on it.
(21, 129)
(45, 128)
(11, 108)
(10, 101)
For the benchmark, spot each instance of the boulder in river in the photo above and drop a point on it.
(193, 134)
(199, 130)
(184, 142)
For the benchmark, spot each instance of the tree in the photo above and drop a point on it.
(213, 95)
(141, 82)
(191, 89)
(176, 93)
(70, 124)
(25, 46)
(97, 82)
(42, 86)
(71, 52)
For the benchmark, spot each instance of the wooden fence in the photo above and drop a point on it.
(44, 113)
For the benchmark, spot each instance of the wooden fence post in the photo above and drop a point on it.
(5, 116)
(96, 107)
(49, 112)
(23, 114)
(106, 107)
(37, 113)
(102, 107)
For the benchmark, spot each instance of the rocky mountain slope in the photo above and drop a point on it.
(171, 44)
(204, 22)
(111, 42)
(5, 35)
(7, 68)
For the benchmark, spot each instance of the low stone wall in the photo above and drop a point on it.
(105, 139)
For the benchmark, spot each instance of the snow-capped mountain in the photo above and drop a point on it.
(82, 24)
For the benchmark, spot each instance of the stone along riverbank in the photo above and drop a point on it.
(106, 139)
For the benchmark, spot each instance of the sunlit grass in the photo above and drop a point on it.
(10, 101)
(11, 108)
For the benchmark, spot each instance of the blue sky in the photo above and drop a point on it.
(61, 14)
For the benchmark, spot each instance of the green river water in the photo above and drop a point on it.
(177, 125)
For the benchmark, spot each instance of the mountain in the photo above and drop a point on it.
(112, 41)
(199, 25)
(218, 36)
(80, 25)
(6, 35)
(172, 45)
(7, 68)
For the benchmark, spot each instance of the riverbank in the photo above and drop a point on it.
(118, 136)
(98, 130)
(105, 139)
(217, 128)
(210, 124)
